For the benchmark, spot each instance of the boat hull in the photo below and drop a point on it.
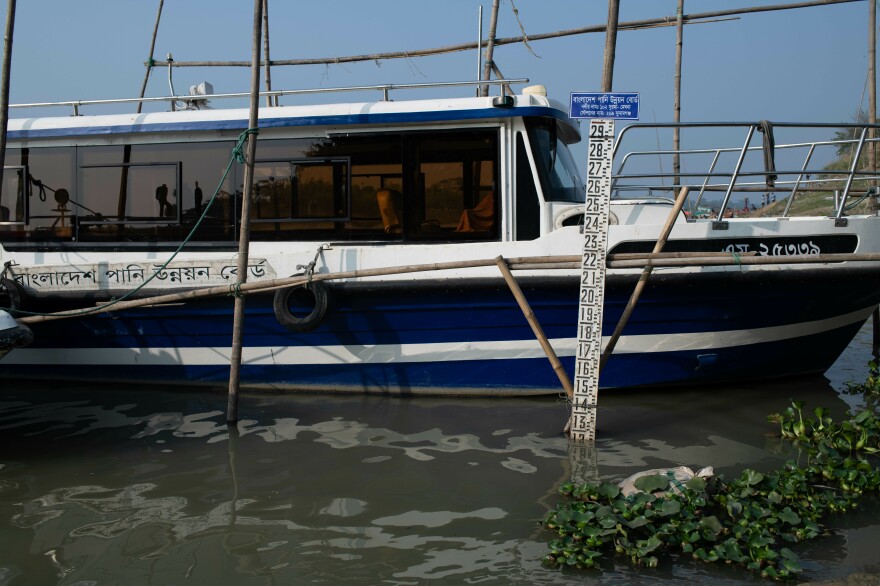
(470, 337)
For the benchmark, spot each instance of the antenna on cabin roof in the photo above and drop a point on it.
(170, 59)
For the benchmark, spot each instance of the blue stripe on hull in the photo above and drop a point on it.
(473, 313)
(807, 354)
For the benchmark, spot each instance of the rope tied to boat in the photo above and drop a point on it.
(238, 150)
(6, 266)
(310, 268)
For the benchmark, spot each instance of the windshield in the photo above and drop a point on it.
(558, 172)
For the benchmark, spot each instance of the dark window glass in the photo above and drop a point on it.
(451, 192)
(557, 170)
(154, 192)
(39, 197)
(528, 209)
(428, 186)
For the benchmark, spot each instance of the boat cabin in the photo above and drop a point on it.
(453, 170)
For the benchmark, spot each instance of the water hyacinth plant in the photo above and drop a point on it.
(752, 520)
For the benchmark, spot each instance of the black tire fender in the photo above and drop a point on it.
(281, 306)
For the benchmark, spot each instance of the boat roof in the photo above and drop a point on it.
(348, 114)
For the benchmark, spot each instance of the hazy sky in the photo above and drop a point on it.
(797, 65)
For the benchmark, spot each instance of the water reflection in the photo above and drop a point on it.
(101, 486)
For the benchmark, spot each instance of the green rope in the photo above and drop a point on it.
(237, 156)
(238, 150)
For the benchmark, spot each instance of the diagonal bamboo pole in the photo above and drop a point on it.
(600, 28)
(643, 279)
(536, 326)
(490, 47)
(122, 202)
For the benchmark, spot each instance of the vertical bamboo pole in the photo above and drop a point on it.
(232, 452)
(676, 104)
(244, 230)
(4, 83)
(266, 52)
(872, 78)
(610, 45)
(490, 47)
(872, 118)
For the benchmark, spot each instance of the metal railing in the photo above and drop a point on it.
(699, 168)
(276, 95)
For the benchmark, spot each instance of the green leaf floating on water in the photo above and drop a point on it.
(789, 516)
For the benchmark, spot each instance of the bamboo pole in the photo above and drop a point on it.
(232, 452)
(126, 150)
(296, 281)
(872, 80)
(152, 52)
(676, 100)
(629, 260)
(244, 229)
(4, 84)
(872, 118)
(629, 25)
(268, 61)
(490, 47)
(536, 326)
(610, 45)
(643, 279)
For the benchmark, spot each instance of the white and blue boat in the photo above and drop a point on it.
(93, 208)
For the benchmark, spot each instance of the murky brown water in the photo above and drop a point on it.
(120, 486)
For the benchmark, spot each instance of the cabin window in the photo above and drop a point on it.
(391, 186)
(38, 202)
(452, 187)
(299, 196)
(557, 170)
(154, 192)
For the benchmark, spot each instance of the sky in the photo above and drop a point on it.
(804, 65)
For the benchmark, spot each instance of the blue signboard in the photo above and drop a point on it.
(611, 105)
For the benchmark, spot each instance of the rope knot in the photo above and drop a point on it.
(238, 150)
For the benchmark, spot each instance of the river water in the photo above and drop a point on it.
(143, 486)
